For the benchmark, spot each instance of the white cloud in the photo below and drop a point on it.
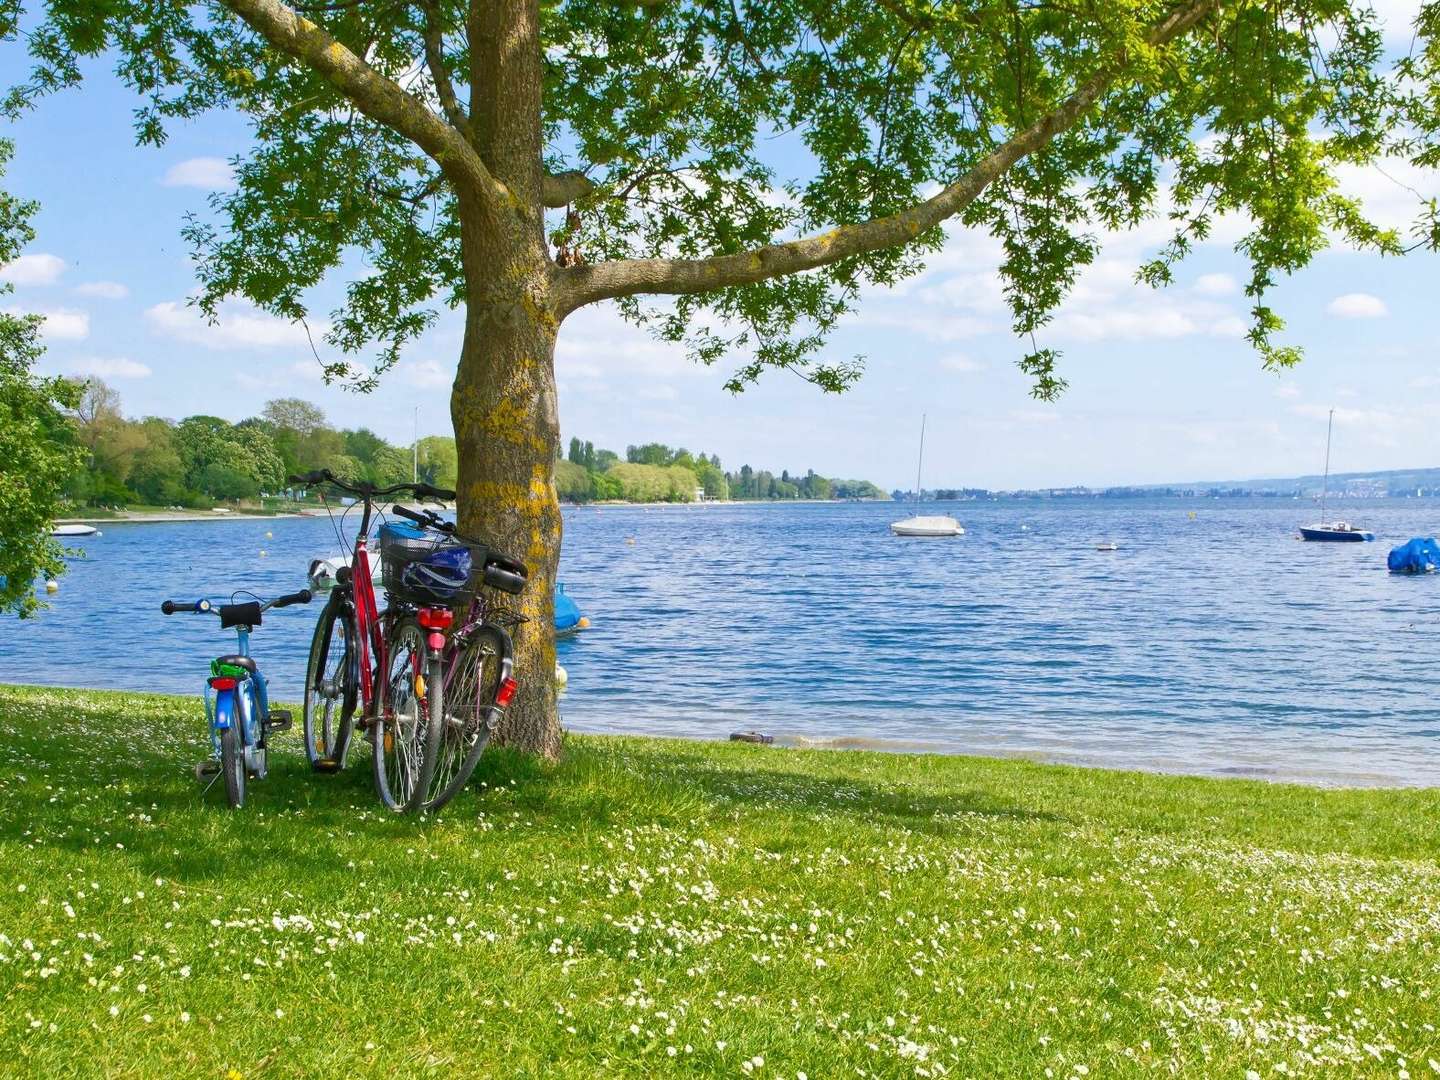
(427, 374)
(239, 326)
(210, 173)
(61, 324)
(116, 367)
(1357, 305)
(1216, 285)
(37, 269)
(1397, 18)
(105, 290)
(1392, 195)
(1287, 391)
(597, 343)
(281, 378)
(961, 363)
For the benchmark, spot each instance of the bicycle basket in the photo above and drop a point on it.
(421, 568)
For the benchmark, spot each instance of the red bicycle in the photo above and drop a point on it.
(395, 665)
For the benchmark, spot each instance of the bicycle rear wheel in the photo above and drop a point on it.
(330, 687)
(473, 681)
(405, 733)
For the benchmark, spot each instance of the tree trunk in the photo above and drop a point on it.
(507, 433)
(507, 429)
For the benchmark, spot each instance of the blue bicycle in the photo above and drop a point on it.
(237, 704)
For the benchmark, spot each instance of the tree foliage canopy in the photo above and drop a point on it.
(38, 451)
(760, 163)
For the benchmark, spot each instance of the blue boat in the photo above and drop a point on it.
(568, 620)
(1335, 532)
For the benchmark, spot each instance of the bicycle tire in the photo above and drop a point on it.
(232, 764)
(475, 674)
(330, 686)
(404, 738)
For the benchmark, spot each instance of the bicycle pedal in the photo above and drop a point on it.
(204, 770)
(279, 720)
(327, 765)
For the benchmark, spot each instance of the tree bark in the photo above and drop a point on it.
(507, 432)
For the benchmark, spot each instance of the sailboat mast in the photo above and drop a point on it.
(920, 462)
(1325, 484)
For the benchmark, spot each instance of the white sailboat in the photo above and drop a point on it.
(925, 524)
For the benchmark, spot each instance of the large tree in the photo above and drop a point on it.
(754, 164)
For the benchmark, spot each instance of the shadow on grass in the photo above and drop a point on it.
(655, 780)
(144, 800)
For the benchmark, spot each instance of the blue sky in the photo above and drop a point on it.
(1162, 385)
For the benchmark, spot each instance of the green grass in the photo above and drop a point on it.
(652, 907)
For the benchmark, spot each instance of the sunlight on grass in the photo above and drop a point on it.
(651, 907)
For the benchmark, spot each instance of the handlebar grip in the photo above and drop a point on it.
(428, 490)
(409, 515)
(198, 607)
(318, 476)
(167, 608)
(301, 597)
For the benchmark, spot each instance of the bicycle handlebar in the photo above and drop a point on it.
(368, 490)
(204, 607)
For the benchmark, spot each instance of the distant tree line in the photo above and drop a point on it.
(201, 459)
(654, 472)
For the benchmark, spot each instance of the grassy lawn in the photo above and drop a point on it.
(651, 907)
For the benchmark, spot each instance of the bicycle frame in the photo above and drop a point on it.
(244, 700)
(367, 617)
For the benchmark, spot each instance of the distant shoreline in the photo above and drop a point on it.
(129, 518)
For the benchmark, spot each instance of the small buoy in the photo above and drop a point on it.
(269, 536)
(52, 586)
(1024, 528)
(630, 540)
(1192, 515)
(263, 553)
(752, 737)
(584, 623)
(562, 677)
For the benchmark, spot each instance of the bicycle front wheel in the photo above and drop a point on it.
(232, 764)
(405, 733)
(330, 687)
(473, 682)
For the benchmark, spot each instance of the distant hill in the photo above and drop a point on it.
(1390, 482)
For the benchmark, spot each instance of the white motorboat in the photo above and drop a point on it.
(925, 524)
(928, 525)
(323, 572)
(74, 530)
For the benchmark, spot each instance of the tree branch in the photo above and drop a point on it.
(561, 189)
(379, 98)
(435, 61)
(580, 285)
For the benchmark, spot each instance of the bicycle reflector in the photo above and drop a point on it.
(435, 618)
(223, 682)
(508, 686)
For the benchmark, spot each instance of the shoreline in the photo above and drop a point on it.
(1055, 755)
(174, 516)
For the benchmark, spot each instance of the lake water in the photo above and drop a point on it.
(1216, 644)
